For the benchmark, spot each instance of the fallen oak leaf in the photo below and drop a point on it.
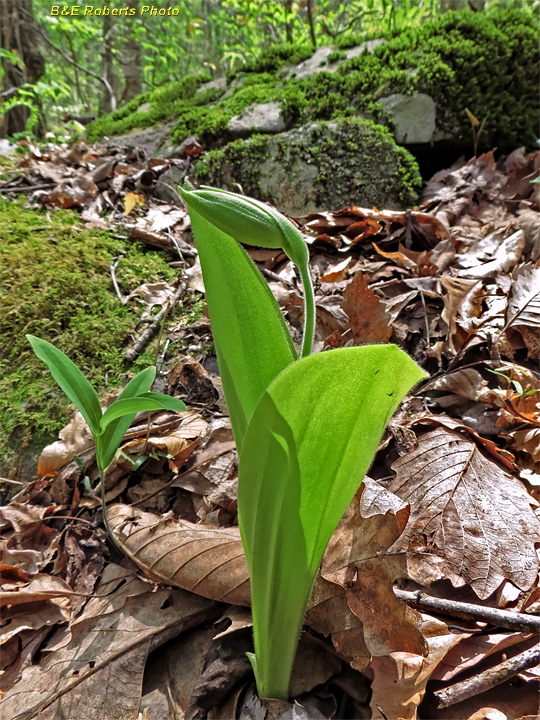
(467, 510)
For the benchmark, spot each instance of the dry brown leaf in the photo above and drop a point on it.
(524, 297)
(202, 558)
(30, 532)
(41, 587)
(170, 679)
(96, 669)
(210, 561)
(467, 383)
(472, 650)
(368, 318)
(399, 679)
(329, 614)
(504, 457)
(357, 559)
(527, 440)
(467, 510)
(75, 438)
(491, 255)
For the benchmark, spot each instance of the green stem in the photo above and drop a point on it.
(309, 310)
(104, 510)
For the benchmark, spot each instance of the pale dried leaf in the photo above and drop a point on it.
(96, 669)
(467, 510)
(399, 679)
(468, 383)
(524, 299)
(75, 438)
(493, 254)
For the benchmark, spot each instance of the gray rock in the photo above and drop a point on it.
(6, 148)
(413, 116)
(262, 118)
(367, 46)
(144, 108)
(150, 139)
(217, 84)
(318, 166)
(315, 64)
(168, 182)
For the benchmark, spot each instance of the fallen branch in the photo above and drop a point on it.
(151, 330)
(518, 622)
(27, 188)
(488, 678)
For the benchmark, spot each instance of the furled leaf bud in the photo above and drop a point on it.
(247, 220)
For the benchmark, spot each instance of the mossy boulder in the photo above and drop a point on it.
(487, 62)
(316, 166)
(419, 83)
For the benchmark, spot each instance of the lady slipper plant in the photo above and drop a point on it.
(306, 429)
(108, 428)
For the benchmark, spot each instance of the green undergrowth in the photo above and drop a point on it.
(486, 62)
(56, 284)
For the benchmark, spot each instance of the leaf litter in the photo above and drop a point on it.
(450, 510)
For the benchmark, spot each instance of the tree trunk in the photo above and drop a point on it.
(19, 33)
(108, 73)
(131, 57)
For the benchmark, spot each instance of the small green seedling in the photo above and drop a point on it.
(306, 429)
(109, 427)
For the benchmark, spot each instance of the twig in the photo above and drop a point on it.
(112, 268)
(13, 482)
(489, 678)
(275, 277)
(519, 622)
(150, 331)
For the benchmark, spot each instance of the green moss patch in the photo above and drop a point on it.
(56, 284)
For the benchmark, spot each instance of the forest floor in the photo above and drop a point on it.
(428, 598)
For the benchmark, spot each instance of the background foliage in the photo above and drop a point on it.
(140, 53)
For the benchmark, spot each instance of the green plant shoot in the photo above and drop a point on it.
(307, 429)
(108, 428)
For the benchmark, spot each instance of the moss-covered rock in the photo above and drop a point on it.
(317, 166)
(486, 62)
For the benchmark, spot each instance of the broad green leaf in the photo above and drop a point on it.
(166, 401)
(109, 441)
(308, 445)
(252, 342)
(139, 403)
(71, 380)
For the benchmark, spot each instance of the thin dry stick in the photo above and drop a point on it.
(428, 337)
(112, 268)
(150, 331)
(519, 622)
(488, 678)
